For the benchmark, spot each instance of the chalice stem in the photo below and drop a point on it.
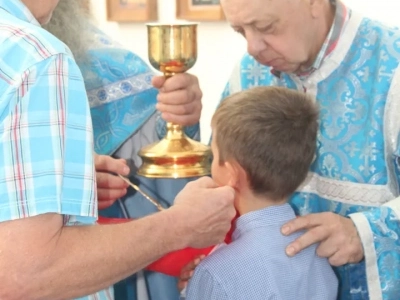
(174, 131)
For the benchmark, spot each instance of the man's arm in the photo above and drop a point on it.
(52, 182)
(46, 260)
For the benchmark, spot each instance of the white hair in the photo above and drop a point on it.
(70, 23)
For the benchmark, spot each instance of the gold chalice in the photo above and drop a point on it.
(173, 49)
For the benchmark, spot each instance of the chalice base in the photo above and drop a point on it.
(175, 158)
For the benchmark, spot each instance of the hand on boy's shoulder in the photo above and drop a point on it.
(337, 237)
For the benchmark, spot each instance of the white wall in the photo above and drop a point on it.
(218, 46)
(384, 10)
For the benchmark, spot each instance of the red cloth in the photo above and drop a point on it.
(108, 221)
(173, 262)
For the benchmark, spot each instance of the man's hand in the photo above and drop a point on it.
(338, 236)
(109, 186)
(206, 211)
(179, 100)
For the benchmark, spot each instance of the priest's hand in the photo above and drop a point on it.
(179, 99)
(338, 237)
(110, 187)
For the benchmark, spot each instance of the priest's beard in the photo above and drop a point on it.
(69, 23)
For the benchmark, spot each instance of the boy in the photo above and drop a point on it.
(264, 141)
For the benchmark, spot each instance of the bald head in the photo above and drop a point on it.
(283, 34)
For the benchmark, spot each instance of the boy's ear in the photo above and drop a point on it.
(235, 172)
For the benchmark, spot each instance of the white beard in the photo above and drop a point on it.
(69, 23)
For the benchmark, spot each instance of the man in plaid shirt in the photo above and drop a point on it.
(49, 245)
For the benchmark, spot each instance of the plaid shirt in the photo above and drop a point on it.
(342, 15)
(46, 138)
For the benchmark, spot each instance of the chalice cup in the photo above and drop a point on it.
(172, 49)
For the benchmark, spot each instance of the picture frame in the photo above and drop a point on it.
(199, 10)
(132, 10)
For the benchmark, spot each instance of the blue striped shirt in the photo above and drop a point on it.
(46, 137)
(254, 266)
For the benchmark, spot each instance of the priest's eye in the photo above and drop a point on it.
(266, 29)
(240, 31)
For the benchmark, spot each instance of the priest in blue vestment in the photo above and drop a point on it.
(350, 65)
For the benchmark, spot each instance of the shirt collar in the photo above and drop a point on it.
(269, 216)
(342, 15)
(19, 10)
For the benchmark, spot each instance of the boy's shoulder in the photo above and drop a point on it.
(227, 262)
(220, 258)
(219, 272)
(254, 266)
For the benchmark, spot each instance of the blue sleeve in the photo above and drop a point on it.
(379, 230)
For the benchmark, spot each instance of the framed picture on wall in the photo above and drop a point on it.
(132, 10)
(199, 10)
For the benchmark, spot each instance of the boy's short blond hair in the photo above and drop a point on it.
(271, 132)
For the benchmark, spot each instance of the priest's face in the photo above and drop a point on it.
(282, 34)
